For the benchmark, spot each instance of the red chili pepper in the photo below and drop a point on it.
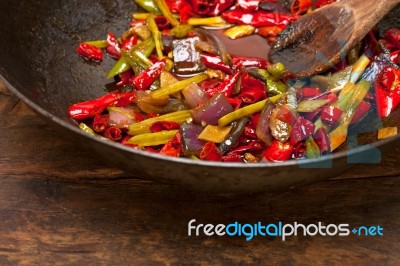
(137, 23)
(163, 125)
(330, 115)
(251, 89)
(320, 3)
(124, 77)
(162, 23)
(248, 5)
(392, 37)
(299, 150)
(395, 57)
(226, 87)
(87, 109)
(100, 122)
(113, 48)
(144, 80)
(215, 62)
(235, 102)
(232, 158)
(285, 115)
(210, 152)
(270, 31)
(302, 129)
(243, 62)
(210, 7)
(321, 138)
(387, 89)
(173, 147)
(330, 96)
(90, 52)
(307, 93)
(300, 7)
(312, 116)
(258, 18)
(252, 146)
(182, 7)
(249, 132)
(361, 112)
(138, 116)
(278, 152)
(126, 99)
(128, 43)
(113, 133)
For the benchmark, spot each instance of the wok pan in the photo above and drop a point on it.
(38, 63)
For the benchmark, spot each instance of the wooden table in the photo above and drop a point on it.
(62, 205)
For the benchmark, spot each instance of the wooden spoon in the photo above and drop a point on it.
(318, 41)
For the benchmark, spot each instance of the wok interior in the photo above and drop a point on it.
(37, 57)
(38, 41)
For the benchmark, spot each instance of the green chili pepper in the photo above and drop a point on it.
(148, 5)
(137, 65)
(119, 67)
(274, 86)
(277, 70)
(312, 149)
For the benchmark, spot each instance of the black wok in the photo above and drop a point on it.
(38, 63)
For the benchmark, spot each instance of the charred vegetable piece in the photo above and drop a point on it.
(191, 143)
(186, 58)
(215, 108)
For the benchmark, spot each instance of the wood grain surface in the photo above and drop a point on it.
(60, 205)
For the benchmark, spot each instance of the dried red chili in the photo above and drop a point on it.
(215, 62)
(210, 7)
(87, 109)
(302, 129)
(259, 18)
(144, 80)
(90, 52)
(173, 147)
(387, 89)
(226, 86)
(163, 125)
(251, 89)
(210, 152)
(300, 7)
(248, 5)
(330, 115)
(113, 47)
(392, 37)
(244, 62)
(100, 122)
(278, 152)
(113, 133)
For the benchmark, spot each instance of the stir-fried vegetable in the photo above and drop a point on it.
(180, 93)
